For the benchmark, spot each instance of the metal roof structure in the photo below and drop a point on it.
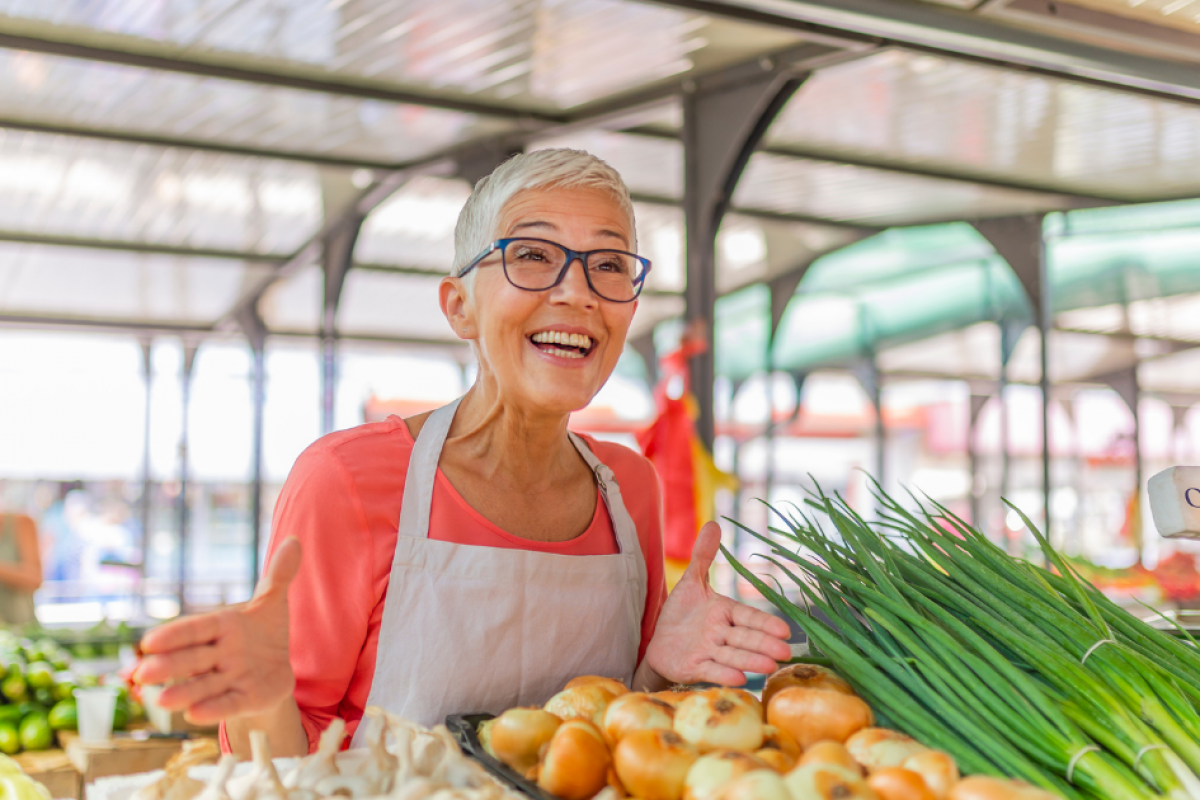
(294, 167)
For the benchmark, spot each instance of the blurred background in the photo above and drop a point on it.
(919, 235)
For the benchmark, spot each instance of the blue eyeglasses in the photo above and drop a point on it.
(536, 265)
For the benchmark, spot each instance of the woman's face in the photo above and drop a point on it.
(504, 320)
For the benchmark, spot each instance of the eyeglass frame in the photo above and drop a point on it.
(581, 256)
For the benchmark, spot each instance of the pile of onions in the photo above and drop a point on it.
(712, 771)
(636, 711)
(576, 761)
(518, 735)
(587, 701)
(805, 676)
(653, 764)
(811, 715)
(761, 784)
(878, 748)
(719, 719)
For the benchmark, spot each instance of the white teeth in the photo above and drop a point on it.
(554, 351)
(579, 340)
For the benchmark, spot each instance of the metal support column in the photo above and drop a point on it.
(724, 119)
(1125, 383)
(256, 335)
(338, 251)
(145, 507)
(867, 373)
(181, 503)
(1019, 241)
(978, 401)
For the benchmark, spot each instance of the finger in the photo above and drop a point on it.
(708, 543)
(284, 565)
(217, 709)
(748, 617)
(744, 660)
(712, 672)
(178, 665)
(757, 642)
(187, 694)
(185, 632)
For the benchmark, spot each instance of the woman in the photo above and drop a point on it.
(20, 569)
(524, 555)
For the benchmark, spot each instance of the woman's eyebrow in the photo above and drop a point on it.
(538, 223)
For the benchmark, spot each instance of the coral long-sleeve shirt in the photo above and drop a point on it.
(342, 501)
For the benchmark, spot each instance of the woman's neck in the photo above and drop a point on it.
(510, 444)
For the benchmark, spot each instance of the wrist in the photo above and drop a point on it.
(648, 679)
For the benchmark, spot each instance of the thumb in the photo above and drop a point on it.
(281, 569)
(704, 551)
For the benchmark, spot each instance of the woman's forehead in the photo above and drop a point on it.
(580, 210)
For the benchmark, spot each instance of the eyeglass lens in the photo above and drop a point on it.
(535, 265)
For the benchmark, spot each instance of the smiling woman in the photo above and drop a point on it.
(477, 557)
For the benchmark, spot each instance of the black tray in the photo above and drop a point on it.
(463, 727)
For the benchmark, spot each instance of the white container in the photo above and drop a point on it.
(95, 708)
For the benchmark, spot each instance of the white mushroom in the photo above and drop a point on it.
(217, 788)
(320, 764)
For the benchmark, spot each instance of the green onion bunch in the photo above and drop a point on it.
(1014, 670)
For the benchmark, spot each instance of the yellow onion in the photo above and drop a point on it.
(811, 715)
(829, 752)
(712, 771)
(653, 764)
(777, 760)
(827, 782)
(898, 783)
(749, 700)
(981, 787)
(811, 676)
(517, 736)
(762, 784)
(674, 696)
(779, 739)
(484, 732)
(581, 702)
(610, 685)
(576, 761)
(718, 719)
(937, 769)
(877, 748)
(636, 711)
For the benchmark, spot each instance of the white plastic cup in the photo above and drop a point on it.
(95, 708)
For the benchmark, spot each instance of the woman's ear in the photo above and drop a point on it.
(456, 307)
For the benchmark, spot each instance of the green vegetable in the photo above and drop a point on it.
(14, 688)
(44, 697)
(64, 716)
(10, 740)
(64, 690)
(120, 716)
(40, 675)
(83, 651)
(35, 732)
(991, 659)
(10, 714)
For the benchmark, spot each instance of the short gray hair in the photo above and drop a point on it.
(569, 169)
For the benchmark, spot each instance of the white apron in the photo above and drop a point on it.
(471, 629)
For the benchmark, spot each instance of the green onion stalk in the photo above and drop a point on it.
(1012, 669)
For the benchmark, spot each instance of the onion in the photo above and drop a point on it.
(827, 752)
(811, 715)
(653, 764)
(827, 782)
(674, 696)
(718, 719)
(937, 769)
(777, 760)
(576, 761)
(581, 702)
(710, 772)
(877, 748)
(778, 739)
(804, 675)
(749, 700)
(610, 685)
(484, 732)
(981, 787)
(636, 711)
(518, 735)
(897, 783)
(762, 784)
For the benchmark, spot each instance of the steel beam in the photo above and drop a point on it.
(760, 213)
(256, 336)
(145, 507)
(338, 250)
(182, 509)
(1126, 384)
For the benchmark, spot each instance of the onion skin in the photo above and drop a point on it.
(517, 736)
(749, 700)
(576, 761)
(717, 719)
(611, 685)
(811, 715)
(588, 701)
(762, 784)
(804, 675)
(653, 764)
(636, 711)
(827, 752)
(484, 732)
(777, 760)
(879, 748)
(898, 783)
(937, 769)
(674, 696)
(827, 782)
(778, 739)
(712, 771)
(981, 787)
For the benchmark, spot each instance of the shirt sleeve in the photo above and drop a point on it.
(332, 597)
(647, 511)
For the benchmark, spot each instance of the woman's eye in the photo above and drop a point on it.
(609, 265)
(531, 255)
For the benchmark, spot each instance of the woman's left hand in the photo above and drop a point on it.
(704, 636)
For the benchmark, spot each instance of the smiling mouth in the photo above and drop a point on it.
(565, 345)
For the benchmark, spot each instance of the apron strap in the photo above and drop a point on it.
(623, 527)
(422, 470)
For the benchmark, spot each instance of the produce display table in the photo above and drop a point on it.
(55, 771)
(117, 757)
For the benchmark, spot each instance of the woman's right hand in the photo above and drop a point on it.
(228, 663)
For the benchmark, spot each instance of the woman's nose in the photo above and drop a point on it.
(574, 287)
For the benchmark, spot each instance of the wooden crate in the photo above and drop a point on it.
(118, 756)
(54, 770)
